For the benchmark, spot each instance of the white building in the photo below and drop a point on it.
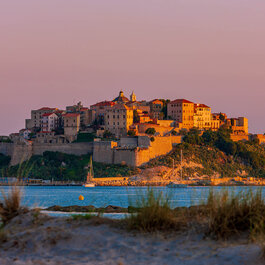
(49, 122)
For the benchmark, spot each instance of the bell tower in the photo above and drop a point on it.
(133, 97)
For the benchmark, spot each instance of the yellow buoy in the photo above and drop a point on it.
(81, 198)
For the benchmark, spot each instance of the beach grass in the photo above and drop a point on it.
(82, 216)
(154, 214)
(232, 214)
(10, 206)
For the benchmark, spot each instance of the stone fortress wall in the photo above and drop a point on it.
(134, 151)
(21, 152)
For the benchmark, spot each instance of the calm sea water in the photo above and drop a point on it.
(118, 196)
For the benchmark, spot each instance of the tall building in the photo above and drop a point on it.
(36, 116)
(49, 122)
(202, 116)
(71, 125)
(156, 107)
(182, 111)
(100, 109)
(118, 120)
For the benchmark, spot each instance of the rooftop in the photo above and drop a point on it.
(181, 101)
(103, 103)
(69, 115)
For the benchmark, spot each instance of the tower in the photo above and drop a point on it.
(133, 97)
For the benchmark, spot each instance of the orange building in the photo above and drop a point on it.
(182, 111)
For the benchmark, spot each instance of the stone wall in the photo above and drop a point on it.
(103, 152)
(238, 137)
(161, 146)
(23, 151)
(67, 148)
(6, 148)
(110, 153)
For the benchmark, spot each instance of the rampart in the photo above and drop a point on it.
(6, 148)
(130, 152)
(239, 137)
(21, 152)
(111, 153)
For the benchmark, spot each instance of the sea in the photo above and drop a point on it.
(46, 196)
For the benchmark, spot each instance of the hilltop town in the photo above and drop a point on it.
(121, 131)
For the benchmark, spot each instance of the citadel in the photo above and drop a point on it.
(121, 131)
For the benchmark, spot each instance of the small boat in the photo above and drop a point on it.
(173, 184)
(89, 177)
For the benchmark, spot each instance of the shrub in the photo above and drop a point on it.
(107, 134)
(150, 131)
(131, 133)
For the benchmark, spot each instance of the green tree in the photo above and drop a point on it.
(150, 131)
(131, 133)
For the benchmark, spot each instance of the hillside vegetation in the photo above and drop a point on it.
(217, 154)
(63, 167)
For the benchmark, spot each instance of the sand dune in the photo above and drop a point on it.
(39, 239)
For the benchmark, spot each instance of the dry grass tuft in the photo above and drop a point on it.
(3, 236)
(154, 214)
(234, 214)
(10, 206)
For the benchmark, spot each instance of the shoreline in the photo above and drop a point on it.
(134, 185)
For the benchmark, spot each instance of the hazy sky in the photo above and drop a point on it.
(56, 52)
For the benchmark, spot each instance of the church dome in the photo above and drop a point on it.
(121, 98)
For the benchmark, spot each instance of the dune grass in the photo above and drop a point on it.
(82, 216)
(231, 214)
(10, 206)
(154, 214)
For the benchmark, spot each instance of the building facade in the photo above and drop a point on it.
(49, 122)
(202, 116)
(156, 107)
(118, 120)
(182, 111)
(71, 125)
(36, 117)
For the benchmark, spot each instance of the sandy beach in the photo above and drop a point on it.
(35, 238)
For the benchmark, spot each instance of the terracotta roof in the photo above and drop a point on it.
(44, 132)
(181, 101)
(47, 108)
(201, 106)
(47, 114)
(121, 106)
(83, 109)
(69, 115)
(59, 111)
(156, 100)
(103, 103)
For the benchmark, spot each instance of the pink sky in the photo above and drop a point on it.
(56, 52)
